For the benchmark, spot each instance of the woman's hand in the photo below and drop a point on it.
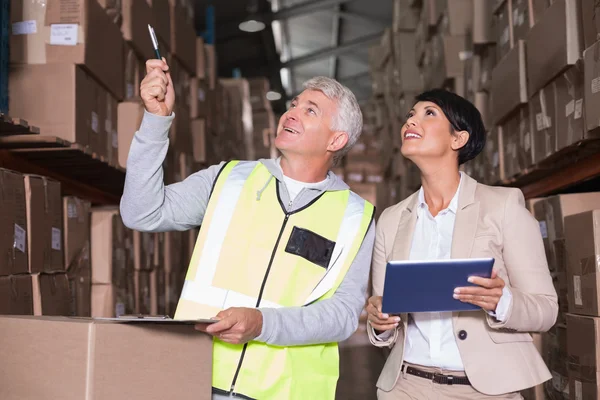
(486, 295)
(378, 320)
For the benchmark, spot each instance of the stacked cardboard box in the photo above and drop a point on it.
(263, 119)
(33, 273)
(4, 57)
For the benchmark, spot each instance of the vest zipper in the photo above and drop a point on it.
(260, 294)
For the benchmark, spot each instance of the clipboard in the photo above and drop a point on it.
(428, 286)
(157, 319)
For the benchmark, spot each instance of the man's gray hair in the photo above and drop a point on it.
(349, 117)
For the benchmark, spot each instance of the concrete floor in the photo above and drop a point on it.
(360, 365)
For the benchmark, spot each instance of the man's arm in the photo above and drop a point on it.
(331, 320)
(147, 204)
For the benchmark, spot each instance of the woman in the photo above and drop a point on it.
(472, 355)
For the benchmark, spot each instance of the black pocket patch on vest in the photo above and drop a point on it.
(310, 246)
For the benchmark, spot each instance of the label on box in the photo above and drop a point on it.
(577, 290)
(504, 37)
(544, 229)
(129, 90)
(24, 27)
(201, 95)
(578, 390)
(72, 211)
(527, 141)
(516, 16)
(20, 237)
(547, 121)
(578, 108)
(596, 85)
(115, 140)
(539, 121)
(465, 55)
(495, 160)
(557, 381)
(56, 239)
(107, 125)
(63, 34)
(119, 309)
(95, 122)
(570, 108)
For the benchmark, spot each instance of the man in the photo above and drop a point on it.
(284, 251)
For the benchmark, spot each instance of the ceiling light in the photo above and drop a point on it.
(273, 96)
(252, 26)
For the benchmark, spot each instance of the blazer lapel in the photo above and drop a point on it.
(465, 225)
(405, 231)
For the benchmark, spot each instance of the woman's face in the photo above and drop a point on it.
(427, 133)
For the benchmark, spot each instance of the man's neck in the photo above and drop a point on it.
(309, 171)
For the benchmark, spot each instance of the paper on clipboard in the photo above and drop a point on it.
(152, 319)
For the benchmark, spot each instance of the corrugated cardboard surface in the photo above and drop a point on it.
(13, 224)
(591, 93)
(129, 118)
(584, 356)
(543, 112)
(109, 259)
(101, 54)
(590, 16)
(136, 15)
(16, 295)
(488, 62)
(76, 225)
(582, 237)
(570, 116)
(553, 44)
(102, 360)
(509, 83)
(51, 294)
(73, 118)
(44, 224)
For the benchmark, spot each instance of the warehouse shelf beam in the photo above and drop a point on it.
(306, 8)
(364, 19)
(354, 78)
(333, 51)
(335, 40)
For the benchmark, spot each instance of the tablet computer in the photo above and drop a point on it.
(428, 286)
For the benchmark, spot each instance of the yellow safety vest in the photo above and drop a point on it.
(252, 253)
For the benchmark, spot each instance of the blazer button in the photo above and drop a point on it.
(462, 335)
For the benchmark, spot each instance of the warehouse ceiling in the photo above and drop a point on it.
(301, 39)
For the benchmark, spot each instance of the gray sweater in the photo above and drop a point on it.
(148, 205)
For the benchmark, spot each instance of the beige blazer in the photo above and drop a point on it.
(491, 221)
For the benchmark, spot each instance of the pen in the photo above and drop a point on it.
(154, 42)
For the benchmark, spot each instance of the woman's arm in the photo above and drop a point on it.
(534, 304)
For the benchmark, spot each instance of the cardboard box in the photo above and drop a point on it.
(143, 250)
(409, 76)
(161, 16)
(521, 20)
(74, 118)
(538, 8)
(211, 66)
(570, 126)
(130, 116)
(504, 35)
(482, 102)
(133, 73)
(13, 226)
(543, 112)
(493, 162)
(457, 19)
(16, 295)
(553, 44)
(201, 66)
(517, 142)
(136, 15)
(202, 100)
(483, 16)
(110, 126)
(51, 33)
(183, 38)
(199, 140)
(44, 224)
(143, 294)
(102, 359)
(51, 294)
(76, 228)
(432, 11)
(173, 261)
(591, 59)
(367, 191)
(584, 356)
(509, 83)
(590, 17)
(583, 248)
(259, 87)
(488, 63)
(110, 301)
(404, 16)
(556, 356)
(110, 263)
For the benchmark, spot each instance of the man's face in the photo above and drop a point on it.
(305, 129)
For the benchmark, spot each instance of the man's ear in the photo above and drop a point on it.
(338, 141)
(459, 140)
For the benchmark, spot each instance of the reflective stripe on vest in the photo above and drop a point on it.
(251, 253)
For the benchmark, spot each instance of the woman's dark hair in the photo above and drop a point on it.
(463, 116)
